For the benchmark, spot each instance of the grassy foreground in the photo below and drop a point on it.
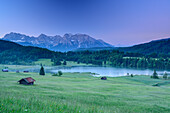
(82, 93)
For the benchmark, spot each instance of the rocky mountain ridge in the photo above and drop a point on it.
(68, 42)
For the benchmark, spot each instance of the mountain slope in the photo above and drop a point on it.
(158, 46)
(57, 43)
(13, 53)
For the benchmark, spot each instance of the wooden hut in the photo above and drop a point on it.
(103, 78)
(4, 70)
(26, 71)
(27, 81)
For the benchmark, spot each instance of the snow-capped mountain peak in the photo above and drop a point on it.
(57, 43)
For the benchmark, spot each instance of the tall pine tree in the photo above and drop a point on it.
(42, 72)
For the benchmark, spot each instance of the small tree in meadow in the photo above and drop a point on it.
(155, 75)
(165, 76)
(42, 72)
(60, 73)
(64, 63)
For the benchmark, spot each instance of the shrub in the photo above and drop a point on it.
(168, 77)
(131, 75)
(55, 74)
(155, 75)
(60, 73)
(165, 76)
(156, 84)
(64, 63)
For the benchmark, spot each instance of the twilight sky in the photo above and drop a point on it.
(118, 22)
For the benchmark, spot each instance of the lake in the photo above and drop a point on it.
(106, 71)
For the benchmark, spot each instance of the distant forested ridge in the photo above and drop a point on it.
(12, 53)
(158, 46)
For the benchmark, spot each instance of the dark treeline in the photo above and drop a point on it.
(120, 59)
(12, 53)
(159, 47)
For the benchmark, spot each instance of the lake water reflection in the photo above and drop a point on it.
(107, 71)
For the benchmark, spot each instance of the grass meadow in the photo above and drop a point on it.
(47, 62)
(83, 93)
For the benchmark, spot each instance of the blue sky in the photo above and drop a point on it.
(118, 22)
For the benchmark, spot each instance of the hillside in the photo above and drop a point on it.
(158, 46)
(12, 53)
(68, 42)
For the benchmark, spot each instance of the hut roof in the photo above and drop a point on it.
(28, 80)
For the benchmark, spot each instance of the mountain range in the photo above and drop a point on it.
(13, 53)
(68, 42)
(81, 42)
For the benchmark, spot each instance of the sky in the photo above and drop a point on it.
(118, 22)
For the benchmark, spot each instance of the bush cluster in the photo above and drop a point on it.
(58, 74)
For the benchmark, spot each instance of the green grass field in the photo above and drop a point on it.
(47, 62)
(15, 67)
(83, 93)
